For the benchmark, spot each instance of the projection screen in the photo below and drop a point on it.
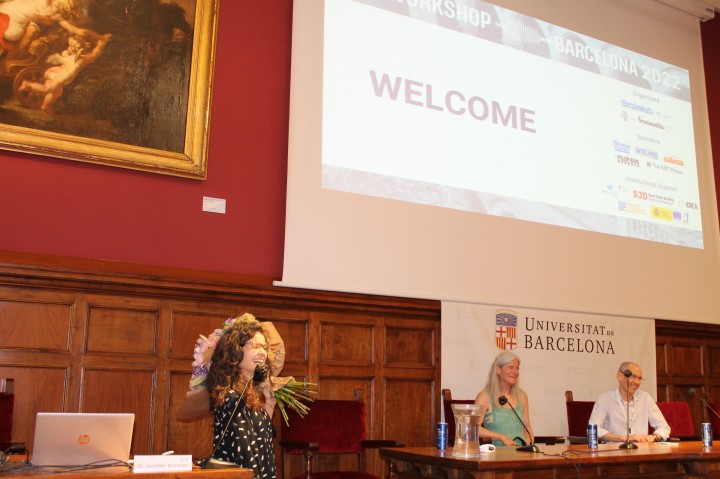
(551, 154)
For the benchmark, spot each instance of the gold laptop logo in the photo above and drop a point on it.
(83, 439)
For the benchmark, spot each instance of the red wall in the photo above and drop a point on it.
(67, 208)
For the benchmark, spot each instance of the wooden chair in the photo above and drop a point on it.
(712, 417)
(679, 418)
(448, 401)
(578, 416)
(7, 403)
(332, 427)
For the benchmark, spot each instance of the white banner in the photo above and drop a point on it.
(559, 351)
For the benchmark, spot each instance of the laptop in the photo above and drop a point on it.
(78, 439)
(577, 439)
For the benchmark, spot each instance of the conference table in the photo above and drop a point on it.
(120, 473)
(655, 460)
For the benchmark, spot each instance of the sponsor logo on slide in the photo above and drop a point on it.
(636, 106)
(654, 124)
(505, 329)
(621, 146)
(631, 208)
(647, 152)
(661, 213)
(610, 189)
(625, 160)
(673, 160)
(666, 200)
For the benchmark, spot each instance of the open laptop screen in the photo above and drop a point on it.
(74, 439)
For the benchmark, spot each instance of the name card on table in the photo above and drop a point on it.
(168, 463)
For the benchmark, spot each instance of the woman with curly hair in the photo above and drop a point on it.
(243, 407)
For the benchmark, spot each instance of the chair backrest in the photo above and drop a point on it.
(338, 425)
(448, 401)
(331, 440)
(679, 418)
(7, 404)
(578, 414)
(713, 416)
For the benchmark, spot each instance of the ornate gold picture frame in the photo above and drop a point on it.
(112, 82)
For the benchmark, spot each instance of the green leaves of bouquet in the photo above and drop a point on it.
(294, 395)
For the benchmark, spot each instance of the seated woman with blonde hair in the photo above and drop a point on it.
(499, 422)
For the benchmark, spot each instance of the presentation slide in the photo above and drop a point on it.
(552, 155)
(470, 106)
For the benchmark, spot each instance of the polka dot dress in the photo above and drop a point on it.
(249, 439)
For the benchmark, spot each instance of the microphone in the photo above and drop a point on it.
(627, 444)
(261, 371)
(503, 400)
(691, 393)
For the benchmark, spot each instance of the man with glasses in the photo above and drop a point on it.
(610, 413)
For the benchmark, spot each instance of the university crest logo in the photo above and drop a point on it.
(505, 330)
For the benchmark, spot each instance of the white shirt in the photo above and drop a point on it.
(609, 413)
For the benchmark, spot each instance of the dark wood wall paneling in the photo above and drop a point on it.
(108, 340)
(97, 336)
(688, 356)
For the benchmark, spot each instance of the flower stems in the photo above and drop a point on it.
(294, 395)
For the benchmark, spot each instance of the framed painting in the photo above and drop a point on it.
(124, 83)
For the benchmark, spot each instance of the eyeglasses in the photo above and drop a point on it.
(257, 346)
(637, 378)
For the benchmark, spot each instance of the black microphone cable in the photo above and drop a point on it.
(503, 400)
(691, 393)
(574, 464)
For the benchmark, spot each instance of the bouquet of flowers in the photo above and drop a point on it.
(293, 395)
